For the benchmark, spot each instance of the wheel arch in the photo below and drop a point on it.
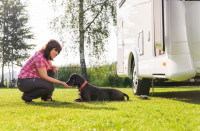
(133, 57)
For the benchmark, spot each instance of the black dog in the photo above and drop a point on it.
(88, 92)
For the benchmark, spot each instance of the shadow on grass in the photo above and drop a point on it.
(106, 102)
(74, 105)
(184, 96)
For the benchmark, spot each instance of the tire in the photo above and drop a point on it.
(140, 87)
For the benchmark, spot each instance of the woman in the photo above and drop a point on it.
(36, 77)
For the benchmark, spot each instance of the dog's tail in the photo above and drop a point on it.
(126, 96)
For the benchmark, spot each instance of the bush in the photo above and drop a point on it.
(65, 71)
(102, 76)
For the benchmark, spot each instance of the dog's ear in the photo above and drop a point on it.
(71, 80)
(82, 77)
(74, 79)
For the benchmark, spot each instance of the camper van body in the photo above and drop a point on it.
(158, 39)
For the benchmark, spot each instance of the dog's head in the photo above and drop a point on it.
(75, 80)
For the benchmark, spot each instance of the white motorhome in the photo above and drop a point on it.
(158, 39)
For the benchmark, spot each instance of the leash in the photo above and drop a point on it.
(57, 74)
(83, 85)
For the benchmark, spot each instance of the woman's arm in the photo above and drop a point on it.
(43, 75)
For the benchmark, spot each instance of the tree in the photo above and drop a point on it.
(13, 33)
(88, 22)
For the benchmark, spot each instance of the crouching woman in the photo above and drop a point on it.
(36, 78)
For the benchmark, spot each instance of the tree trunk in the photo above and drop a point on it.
(9, 78)
(12, 67)
(12, 72)
(2, 76)
(81, 41)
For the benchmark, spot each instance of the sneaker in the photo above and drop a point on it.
(50, 99)
(27, 100)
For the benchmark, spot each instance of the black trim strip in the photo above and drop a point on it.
(163, 24)
(121, 3)
(159, 74)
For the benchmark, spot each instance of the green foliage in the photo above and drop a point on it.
(65, 71)
(171, 109)
(107, 76)
(14, 32)
(88, 23)
(99, 76)
(95, 16)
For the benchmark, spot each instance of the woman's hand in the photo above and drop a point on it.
(65, 85)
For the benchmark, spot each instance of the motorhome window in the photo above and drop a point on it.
(159, 27)
(121, 2)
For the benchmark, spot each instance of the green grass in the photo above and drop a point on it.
(175, 109)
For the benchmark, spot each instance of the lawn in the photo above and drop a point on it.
(169, 109)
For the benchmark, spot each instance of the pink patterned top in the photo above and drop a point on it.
(29, 70)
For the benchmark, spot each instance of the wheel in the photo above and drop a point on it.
(140, 87)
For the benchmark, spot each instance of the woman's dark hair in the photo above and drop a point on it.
(49, 46)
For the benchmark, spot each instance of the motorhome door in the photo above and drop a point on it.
(159, 14)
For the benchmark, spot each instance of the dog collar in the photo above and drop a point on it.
(83, 85)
